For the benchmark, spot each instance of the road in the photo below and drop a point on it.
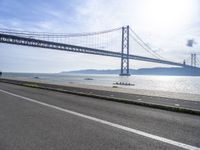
(33, 119)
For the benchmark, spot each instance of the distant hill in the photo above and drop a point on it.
(94, 71)
(173, 71)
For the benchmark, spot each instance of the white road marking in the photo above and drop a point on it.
(145, 134)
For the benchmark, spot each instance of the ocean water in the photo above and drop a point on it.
(180, 84)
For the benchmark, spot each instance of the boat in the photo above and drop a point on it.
(88, 79)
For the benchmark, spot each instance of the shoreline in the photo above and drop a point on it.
(176, 105)
(154, 93)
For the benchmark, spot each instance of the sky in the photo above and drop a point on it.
(165, 25)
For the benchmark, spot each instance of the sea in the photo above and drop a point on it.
(180, 84)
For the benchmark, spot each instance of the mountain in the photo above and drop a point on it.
(173, 71)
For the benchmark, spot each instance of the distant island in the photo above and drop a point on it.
(173, 71)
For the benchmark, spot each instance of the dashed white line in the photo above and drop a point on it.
(135, 131)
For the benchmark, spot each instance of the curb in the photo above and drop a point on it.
(114, 99)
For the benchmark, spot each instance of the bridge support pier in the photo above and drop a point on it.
(125, 52)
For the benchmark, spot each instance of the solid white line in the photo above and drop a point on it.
(145, 134)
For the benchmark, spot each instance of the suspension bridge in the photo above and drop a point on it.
(119, 42)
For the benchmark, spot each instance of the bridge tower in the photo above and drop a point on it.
(193, 59)
(125, 52)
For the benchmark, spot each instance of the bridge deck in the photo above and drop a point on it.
(17, 40)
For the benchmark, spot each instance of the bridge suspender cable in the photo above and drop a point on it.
(97, 43)
(28, 33)
(144, 45)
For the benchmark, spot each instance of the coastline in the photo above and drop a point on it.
(154, 93)
(120, 95)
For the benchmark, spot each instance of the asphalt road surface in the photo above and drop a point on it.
(35, 119)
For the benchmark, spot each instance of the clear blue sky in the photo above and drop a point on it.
(165, 24)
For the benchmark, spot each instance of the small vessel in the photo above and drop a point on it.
(36, 77)
(88, 79)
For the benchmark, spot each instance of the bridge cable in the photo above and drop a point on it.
(147, 46)
(28, 33)
(144, 47)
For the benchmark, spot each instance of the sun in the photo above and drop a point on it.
(168, 15)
